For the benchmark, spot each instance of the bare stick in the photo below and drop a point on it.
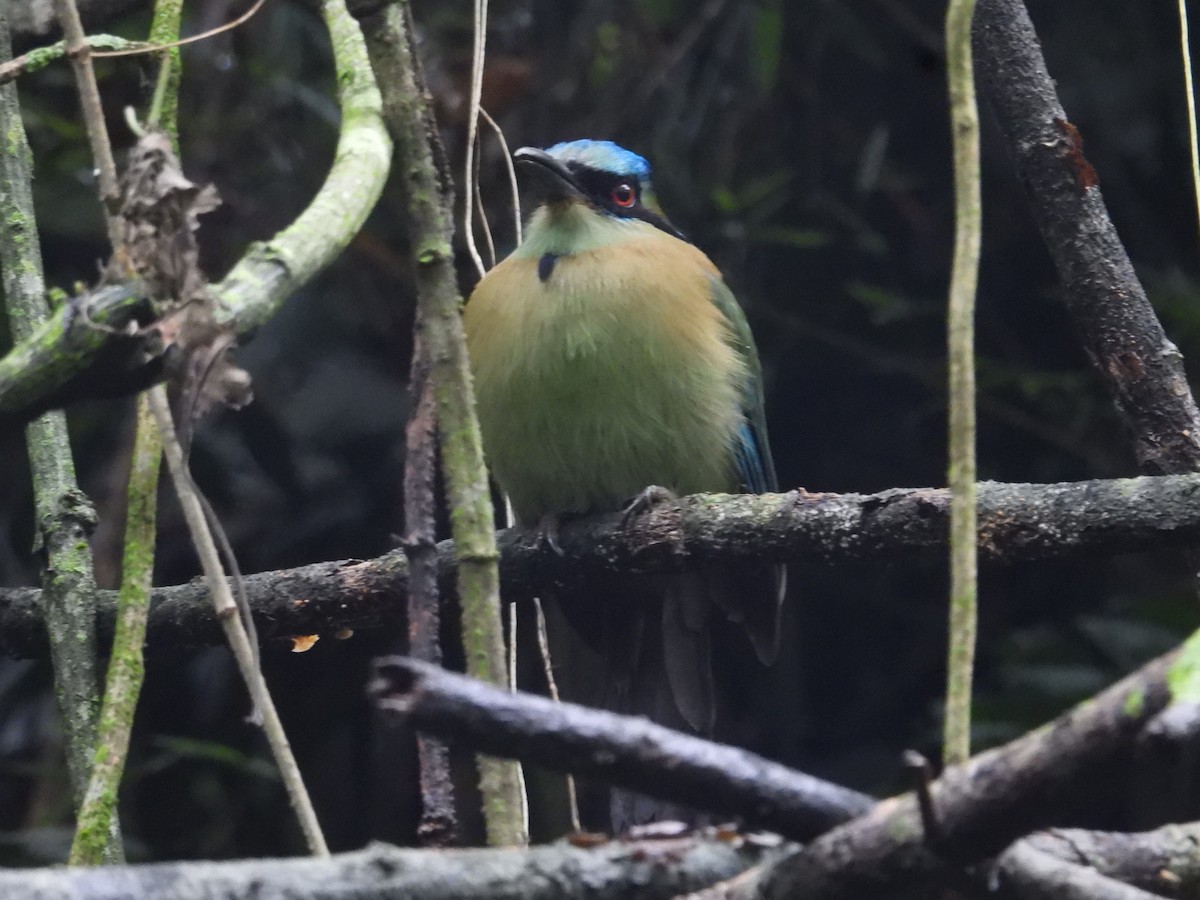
(543, 639)
(469, 179)
(235, 633)
(617, 870)
(1074, 520)
(93, 112)
(439, 824)
(1030, 873)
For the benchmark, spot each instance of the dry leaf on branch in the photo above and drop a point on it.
(160, 209)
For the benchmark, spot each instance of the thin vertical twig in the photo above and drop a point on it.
(80, 54)
(470, 182)
(235, 632)
(543, 639)
(964, 121)
(1185, 49)
(65, 516)
(512, 173)
(512, 686)
(164, 108)
(484, 224)
(439, 825)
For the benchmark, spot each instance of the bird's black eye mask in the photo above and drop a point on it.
(618, 195)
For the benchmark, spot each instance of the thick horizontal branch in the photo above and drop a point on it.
(1016, 522)
(644, 870)
(625, 751)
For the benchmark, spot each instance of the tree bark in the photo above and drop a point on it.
(1017, 522)
(1142, 369)
(1048, 776)
(642, 870)
(626, 751)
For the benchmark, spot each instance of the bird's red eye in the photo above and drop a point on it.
(624, 195)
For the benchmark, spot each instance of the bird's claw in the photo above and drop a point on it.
(647, 499)
(548, 533)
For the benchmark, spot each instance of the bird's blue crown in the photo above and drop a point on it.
(604, 156)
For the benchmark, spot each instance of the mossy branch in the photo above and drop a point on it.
(964, 122)
(64, 515)
(126, 667)
(43, 56)
(65, 360)
(431, 226)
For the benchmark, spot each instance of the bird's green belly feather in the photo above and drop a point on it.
(590, 414)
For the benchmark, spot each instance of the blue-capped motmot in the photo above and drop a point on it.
(610, 356)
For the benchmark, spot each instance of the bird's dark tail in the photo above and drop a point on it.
(654, 639)
(660, 667)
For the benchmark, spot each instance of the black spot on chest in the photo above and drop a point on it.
(546, 266)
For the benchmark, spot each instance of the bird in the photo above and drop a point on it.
(613, 367)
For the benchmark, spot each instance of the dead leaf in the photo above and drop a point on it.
(303, 642)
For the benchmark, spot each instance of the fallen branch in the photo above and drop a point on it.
(626, 751)
(1026, 872)
(1048, 776)
(643, 870)
(1017, 522)
(1163, 861)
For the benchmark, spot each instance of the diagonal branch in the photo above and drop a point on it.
(1048, 776)
(1141, 368)
(626, 751)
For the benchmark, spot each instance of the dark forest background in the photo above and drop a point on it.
(804, 145)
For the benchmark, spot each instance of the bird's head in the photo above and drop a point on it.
(578, 180)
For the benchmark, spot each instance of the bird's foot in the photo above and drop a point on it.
(548, 533)
(647, 499)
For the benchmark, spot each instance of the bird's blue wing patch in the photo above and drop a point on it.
(752, 453)
(751, 470)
